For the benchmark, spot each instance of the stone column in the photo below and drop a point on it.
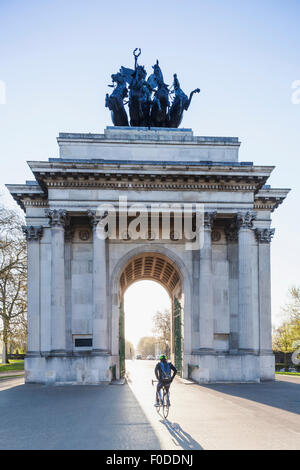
(245, 293)
(206, 320)
(33, 235)
(264, 236)
(58, 220)
(69, 233)
(232, 257)
(100, 323)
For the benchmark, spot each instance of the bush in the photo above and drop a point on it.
(281, 365)
(16, 356)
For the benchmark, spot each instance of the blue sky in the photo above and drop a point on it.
(56, 58)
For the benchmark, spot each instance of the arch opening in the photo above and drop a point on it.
(164, 271)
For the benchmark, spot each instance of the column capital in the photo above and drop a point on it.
(264, 235)
(95, 218)
(32, 233)
(208, 219)
(245, 219)
(58, 217)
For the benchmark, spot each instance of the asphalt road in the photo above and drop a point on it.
(223, 416)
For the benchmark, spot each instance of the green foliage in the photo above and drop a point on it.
(191, 368)
(287, 336)
(13, 282)
(284, 338)
(14, 365)
(287, 373)
(122, 340)
(178, 335)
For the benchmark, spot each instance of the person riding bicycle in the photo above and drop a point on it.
(163, 374)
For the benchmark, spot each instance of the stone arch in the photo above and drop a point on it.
(164, 262)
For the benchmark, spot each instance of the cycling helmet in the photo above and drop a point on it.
(163, 356)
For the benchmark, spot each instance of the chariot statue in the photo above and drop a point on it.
(150, 102)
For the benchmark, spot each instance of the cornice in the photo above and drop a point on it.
(269, 198)
(149, 177)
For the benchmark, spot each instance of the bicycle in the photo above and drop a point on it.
(164, 400)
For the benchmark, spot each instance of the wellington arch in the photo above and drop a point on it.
(220, 287)
(162, 265)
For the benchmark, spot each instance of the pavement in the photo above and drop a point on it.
(117, 417)
(11, 373)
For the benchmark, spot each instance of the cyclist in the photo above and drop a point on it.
(163, 374)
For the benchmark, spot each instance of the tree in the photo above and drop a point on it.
(283, 340)
(146, 346)
(286, 337)
(292, 309)
(13, 287)
(129, 350)
(162, 329)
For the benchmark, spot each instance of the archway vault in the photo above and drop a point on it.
(154, 266)
(151, 266)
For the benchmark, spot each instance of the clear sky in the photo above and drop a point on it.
(56, 58)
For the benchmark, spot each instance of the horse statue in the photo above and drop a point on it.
(148, 100)
(115, 102)
(139, 93)
(160, 105)
(180, 103)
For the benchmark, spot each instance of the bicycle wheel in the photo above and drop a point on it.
(165, 405)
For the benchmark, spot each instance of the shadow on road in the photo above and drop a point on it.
(74, 417)
(180, 437)
(284, 395)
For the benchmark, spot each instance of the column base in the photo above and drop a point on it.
(33, 354)
(228, 368)
(70, 370)
(267, 367)
(255, 352)
(266, 352)
(204, 351)
(58, 352)
(100, 352)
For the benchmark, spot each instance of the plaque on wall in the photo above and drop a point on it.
(216, 236)
(84, 235)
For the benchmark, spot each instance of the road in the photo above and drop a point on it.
(222, 416)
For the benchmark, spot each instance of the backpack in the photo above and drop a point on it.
(166, 370)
